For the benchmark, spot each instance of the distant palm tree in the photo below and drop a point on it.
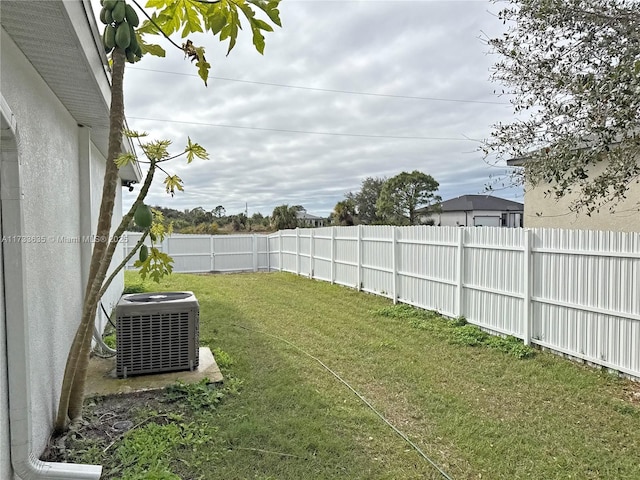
(284, 217)
(343, 213)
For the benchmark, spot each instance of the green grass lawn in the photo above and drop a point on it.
(477, 412)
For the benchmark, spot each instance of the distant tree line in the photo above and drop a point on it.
(216, 221)
(405, 199)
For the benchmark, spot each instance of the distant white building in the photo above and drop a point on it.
(307, 220)
(477, 211)
(54, 116)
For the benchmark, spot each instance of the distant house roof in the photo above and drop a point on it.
(303, 215)
(480, 202)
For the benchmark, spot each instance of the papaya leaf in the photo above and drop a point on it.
(191, 21)
(195, 150)
(263, 25)
(173, 182)
(270, 8)
(159, 228)
(153, 49)
(258, 39)
(215, 23)
(157, 150)
(203, 66)
(125, 159)
(133, 133)
(157, 265)
(158, 4)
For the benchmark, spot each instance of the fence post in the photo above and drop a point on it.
(333, 255)
(311, 253)
(359, 261)
(213, 258)
(254, 244)
(526, 271)
(280, 249)
(297, 251)
(394, 260)
(268, 253)
(460, 260)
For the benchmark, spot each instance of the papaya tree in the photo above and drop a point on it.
(125, 40)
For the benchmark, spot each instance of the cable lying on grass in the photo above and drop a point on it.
(364, 400)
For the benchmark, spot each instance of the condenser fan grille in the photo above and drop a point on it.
(156, 337)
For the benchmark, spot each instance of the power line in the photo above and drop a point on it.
(336, 134)
(350, 92)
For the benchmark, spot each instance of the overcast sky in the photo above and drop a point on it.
(282, 129)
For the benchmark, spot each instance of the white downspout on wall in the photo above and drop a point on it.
(25, 463)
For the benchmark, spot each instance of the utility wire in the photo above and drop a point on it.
(330, 90)
(364, 400)
(336, 134)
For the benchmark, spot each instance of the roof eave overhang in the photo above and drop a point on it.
(67, 52)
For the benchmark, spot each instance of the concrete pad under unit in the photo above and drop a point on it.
(102, 379)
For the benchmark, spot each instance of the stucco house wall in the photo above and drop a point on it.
(52, 164)
(466, 219)
(544, 210)
(48, 152)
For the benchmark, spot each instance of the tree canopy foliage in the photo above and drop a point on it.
(365, 200)
(284, 217)
(344, 213)
(572, 68)
(405, 193)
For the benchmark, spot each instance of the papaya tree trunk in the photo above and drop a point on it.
(72, 393)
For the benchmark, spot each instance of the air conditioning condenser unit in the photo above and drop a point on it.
(157, 332)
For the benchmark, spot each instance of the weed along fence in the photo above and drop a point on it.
(210, 253)
(574, 292)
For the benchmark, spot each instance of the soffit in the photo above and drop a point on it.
(73, 67)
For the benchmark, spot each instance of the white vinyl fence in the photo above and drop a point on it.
(574, 292)
(210, 253)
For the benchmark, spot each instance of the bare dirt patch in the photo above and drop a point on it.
(105, 421)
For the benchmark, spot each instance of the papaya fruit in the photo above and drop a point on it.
(144, 253)
(109, 4)
(118, 12)
(109, 37)
(131, 15)
(134, 39)
(103, 15)
(123, 36)
(143, 216)
(138, 50)
(131, 57)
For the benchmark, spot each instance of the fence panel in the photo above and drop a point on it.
(493, 279)
(585, 296)
(289, 251)
(322, 254)
(428, 267)
(210, 253)
(377, 260)
(346, 265)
